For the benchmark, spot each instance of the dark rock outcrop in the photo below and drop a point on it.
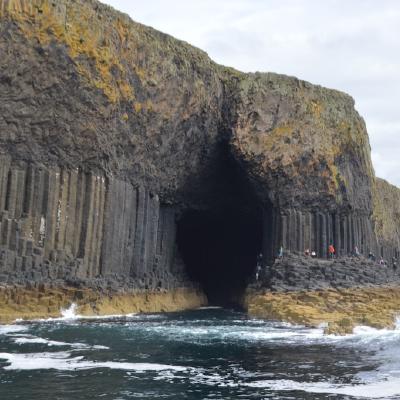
(297, 273)
(111, 132)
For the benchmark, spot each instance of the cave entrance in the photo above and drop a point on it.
(220, 239)
(219, 249)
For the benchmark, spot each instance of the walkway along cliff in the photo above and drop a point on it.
(131, 164)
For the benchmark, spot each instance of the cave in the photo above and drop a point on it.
(219, 243)
(219, 249)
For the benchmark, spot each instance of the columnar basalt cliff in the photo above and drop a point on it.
(130, 160)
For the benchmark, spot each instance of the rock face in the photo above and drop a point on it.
(123, 148)
(386, 214)
(298, 273)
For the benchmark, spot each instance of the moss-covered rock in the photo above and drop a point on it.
(340, 310)
(19, 302)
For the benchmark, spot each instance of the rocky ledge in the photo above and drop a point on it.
(48, 301)
(294, 273)
(338, 311)
(338, 294)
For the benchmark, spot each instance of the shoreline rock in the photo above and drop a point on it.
(20, 302)
(297, 273)
(339, 309)
(340, 293)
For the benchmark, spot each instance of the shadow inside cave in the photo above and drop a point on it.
(220, 240)
(219, 249)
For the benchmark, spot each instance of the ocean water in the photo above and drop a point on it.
(202, 354)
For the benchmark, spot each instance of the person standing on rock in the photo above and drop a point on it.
(331, 251)
(259, 266)
(280, 254)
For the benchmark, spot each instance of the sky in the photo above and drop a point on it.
(349, 45)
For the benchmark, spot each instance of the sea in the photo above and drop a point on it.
(209, 353)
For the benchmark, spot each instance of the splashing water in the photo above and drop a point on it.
(70, 312)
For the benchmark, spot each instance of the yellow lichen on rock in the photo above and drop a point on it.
(84, 34)
(291, 128)
(340, 309)
(19, 302)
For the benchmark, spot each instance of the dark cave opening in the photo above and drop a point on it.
(220, 242)
(220, 251)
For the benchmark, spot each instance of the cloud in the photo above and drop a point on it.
(348, 45)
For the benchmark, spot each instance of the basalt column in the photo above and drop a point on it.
(298, 230)
(66, 223)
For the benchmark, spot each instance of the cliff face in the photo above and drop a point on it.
(305, 144)
(387, 213)
(113, 136)
(307, 150)
(84, 86)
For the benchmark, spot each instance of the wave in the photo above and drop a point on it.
(70, 314)
(38, 340)
(6, 329)
(62, 361)
(381, 389)
(279, 334)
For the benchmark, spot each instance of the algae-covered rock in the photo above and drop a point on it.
(340, 310)
(19, 302)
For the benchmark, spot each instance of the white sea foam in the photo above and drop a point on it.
(38, 340)
(384, 382)
(237, 333)
(6, 329)
(285, 335)
(380, 389)
(21, 340)
(62, 361)
(69, 314)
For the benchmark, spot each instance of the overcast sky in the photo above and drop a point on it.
(350, 45)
